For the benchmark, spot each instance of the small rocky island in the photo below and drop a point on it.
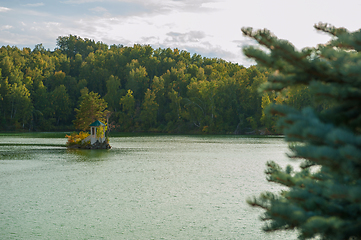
(96, 139)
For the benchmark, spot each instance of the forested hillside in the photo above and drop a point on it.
(146, 89)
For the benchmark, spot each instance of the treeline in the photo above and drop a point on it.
(146, 89)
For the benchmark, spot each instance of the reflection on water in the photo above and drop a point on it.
(82, 155)
(171, 187)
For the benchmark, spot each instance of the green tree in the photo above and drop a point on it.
(4, 90)
(322, 199)
(175, 110)
(91, 108)
(60, 103)
(159, 90)
(190, 90)
(21, 105)
(6, 65)
(266, 119)
(43, 105)
(113, 93)
(298, 97)
(56, 80)
(194, 104)
(148, 114)
(127, 103)
(137, 80)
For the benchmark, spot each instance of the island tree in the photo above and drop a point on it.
(323, 198)
(91, 108)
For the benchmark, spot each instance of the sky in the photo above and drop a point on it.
(211, 28)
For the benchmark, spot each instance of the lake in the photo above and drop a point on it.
(145, 187)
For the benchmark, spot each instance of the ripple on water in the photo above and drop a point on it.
(155, 187)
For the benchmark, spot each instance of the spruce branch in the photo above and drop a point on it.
(323, 200)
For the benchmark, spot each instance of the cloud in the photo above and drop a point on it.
(150, 39)
(205, 27)
(80, 1)
(98, 9)
(165, 29)
(166, 6)
(245, 42)
(211, 51)
(156, 6)
(36, 13)
(47, 30)
(196, 5)
(34, 4)
(4, 9)
(6, 27)
(192, 36)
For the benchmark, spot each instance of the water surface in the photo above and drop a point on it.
(145, 187)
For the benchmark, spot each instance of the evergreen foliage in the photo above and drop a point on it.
(323, 198)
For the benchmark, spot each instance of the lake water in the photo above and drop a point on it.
(145, 187)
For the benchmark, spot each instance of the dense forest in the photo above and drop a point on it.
(146, 89)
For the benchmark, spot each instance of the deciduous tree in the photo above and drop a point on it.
(61, 103)
(148, 114)
(113, 93)
(91, 107)
(127, 114)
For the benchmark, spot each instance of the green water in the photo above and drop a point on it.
(145, 187)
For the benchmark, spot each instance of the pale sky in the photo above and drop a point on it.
(210, 28)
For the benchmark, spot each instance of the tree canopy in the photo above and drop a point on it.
(171, 90)
(322, 198)
(91, 108)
